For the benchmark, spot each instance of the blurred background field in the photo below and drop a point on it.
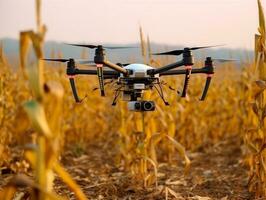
(189, 150)
(198, 126)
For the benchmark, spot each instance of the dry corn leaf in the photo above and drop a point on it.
(3, 59)
(154, 168)
(182, 152)
(38, 13)
(24, 181)
(172, 192)
(261, 19)
(37, 42)
(8, 192)
(37, 116)
(24, 49)
(35, 82)
(201, 198)
(261, 84)
(178, 182)
(66, 178)
(54, 94)
(258, 87)
(143, 44)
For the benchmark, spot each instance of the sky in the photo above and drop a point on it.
(173, 22)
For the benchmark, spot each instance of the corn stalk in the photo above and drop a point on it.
(143, 45)
(257, 143)
(43, 156)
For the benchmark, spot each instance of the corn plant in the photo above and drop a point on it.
(43, 156)
(256, 138)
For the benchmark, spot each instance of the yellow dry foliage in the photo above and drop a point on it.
(47, 100)
(142, 140)
(255, 137)
(234, 107)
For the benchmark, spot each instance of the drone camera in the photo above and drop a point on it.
(138, 86)
(141, 106)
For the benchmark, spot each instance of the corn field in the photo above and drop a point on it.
(52, 148)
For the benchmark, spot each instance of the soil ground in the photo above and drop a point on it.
(216, 173)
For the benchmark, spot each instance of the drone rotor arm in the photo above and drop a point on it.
(166, 68)
(106, 73)
(115, 67)
(182, 72)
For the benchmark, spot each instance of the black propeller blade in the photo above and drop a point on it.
(224, 60)
(123, 64)
(83, 62)
(179, 51)
(80, 61)
(56, 59)
(101, 46)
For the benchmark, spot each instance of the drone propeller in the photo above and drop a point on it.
(56, 59)
(101, 46)
(80, 61)
(224, 60)
(71, 68)
(210, 71)
(209, 68)
(181, 51)
(123, 64)
(71, 74)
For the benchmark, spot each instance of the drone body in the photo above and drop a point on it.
(133, 79)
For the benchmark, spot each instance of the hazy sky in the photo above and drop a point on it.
(185, 22)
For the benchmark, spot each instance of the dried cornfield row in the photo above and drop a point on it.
(35, 109)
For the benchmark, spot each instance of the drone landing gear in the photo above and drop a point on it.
(161, 94)
(117, 94)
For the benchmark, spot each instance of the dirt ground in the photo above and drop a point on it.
(215, 173)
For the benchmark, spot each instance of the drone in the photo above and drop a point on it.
(133, 79)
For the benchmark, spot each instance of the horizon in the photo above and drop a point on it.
(157, 19)
(164, 45)
(11, 49)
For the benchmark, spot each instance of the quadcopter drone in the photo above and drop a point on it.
(133, 79)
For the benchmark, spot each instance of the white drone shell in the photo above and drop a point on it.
(139, 70)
